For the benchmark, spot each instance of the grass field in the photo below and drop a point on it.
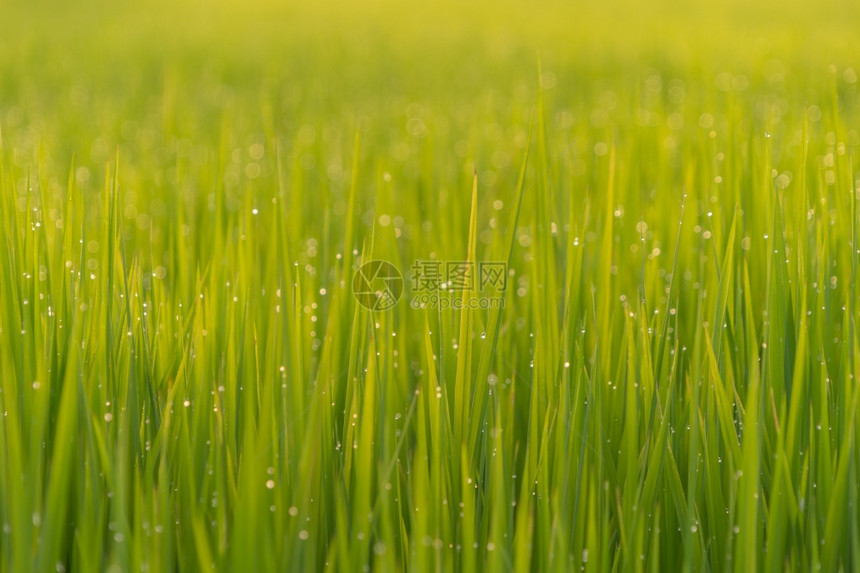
(667, 380)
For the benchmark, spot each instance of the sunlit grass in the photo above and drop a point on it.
(187, 382)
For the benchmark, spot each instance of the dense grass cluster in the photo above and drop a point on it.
(187, 382)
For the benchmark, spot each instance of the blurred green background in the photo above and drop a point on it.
(434, 88)
(105, 74)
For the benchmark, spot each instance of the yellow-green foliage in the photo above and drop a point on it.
(188, 383)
